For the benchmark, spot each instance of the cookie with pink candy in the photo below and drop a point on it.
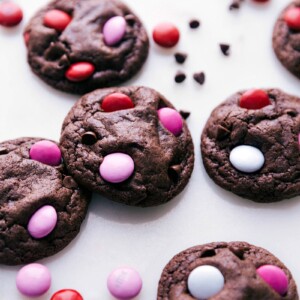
(41, 207)
(129, 144)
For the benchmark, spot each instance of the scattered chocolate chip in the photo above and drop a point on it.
(89, 138)
(180, 77)
(184, 114)
(225, 49)
(194, 24)
(199, 77)
(174, 172)
(234, 5)
(180, 57)
(69, 182)
(3, 150)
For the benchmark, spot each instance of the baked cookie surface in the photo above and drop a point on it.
(41, 207)
(128, 144)
(80, 45)
(222, 271)
(254, 152)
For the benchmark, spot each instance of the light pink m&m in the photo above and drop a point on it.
(171, 120)
(33, 280)
(42, 222)
(114, 30)
(46, 152)
(274, 277)
(124, 283)
(116, 167)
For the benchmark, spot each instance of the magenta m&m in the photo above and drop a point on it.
(166, 34)
(10, 14)
(114, 30)
(274, 277)
(124, 283)
(80, 71)
(57, 19)
(66, 294)
(171, 120)
(33, 280)
(254, 99)
(292, 18)
(46, 152)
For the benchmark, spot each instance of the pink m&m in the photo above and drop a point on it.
(46, 152)
(42, 222)
(274, 277)
(33, 280)
(114, 30)
(10, 14)
(171, 120)
(116, 167)
(124, 283)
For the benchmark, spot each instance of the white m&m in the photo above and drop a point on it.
(205, 282)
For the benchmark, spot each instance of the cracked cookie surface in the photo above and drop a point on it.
(26, 185)
(51, 52)
(237, 261)
(163, 162)
(273, 129)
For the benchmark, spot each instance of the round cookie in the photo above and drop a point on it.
(41, 206)
(128, 144)
(80, 45)
(222, 271)
(250, 145)
(286, 38)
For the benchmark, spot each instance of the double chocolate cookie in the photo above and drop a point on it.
(41, 206)
(222, 271)
(80, 45)
(250, 145)
(128, 144)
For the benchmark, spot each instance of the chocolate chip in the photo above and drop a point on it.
(199, 77)
(69, 183)
(89, 138)
(208, 253)
(3, 150)
(234, 5)
(194, 24)
(180, 57)
(174, 172)
(225, 49)
(180, 77)
(184, 114)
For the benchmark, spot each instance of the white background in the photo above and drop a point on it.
(146, 239)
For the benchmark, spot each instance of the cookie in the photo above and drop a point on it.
(250, 145)
(128, 144)
(41, 207)
(80, 45)
(222, 271)
(286, 38)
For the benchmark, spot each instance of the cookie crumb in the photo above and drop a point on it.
(194, 24)
(199, 77)
(225, 49)
(179, 77)
(180, 57)
(185, 114)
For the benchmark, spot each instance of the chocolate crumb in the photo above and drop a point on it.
(180, 57)
(194, 24)
(180, 77)
(199, 77)
(184, 114)
(225, 49)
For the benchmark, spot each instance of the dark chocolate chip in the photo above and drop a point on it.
(174, 172)
(180, 57)
(180, 77)
(234, 5)
(3, 150)
(69, 183)
(184, 114)
(194, 24)
(89, 138)
(291, 112)
(199, 77)
(225, 49)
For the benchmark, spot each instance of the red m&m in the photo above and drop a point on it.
(116, 101)
(10, 14)
(57, 19)
(166, 34)
(66, 294)
(80, 71)
(292, 18)
(254, 99)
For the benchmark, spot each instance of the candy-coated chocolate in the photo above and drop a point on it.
(205, 282)
(80, 71)
(171, 120)
(33, 280)
(254, 99)
(166, 34)
(124, 283)
(57, 19)
(116, 101)
(42, 222)
(246, 158)
(116, 167)
(114, 30)
(26, 37)
(10, 14)
(66, 294)
(46, 152)
(292, 18)
(274, 277)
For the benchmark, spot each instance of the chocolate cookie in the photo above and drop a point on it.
(41, 207)
(286, 38)
(80, 45)
(222, 271)
(128, 144)
(250, 145)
